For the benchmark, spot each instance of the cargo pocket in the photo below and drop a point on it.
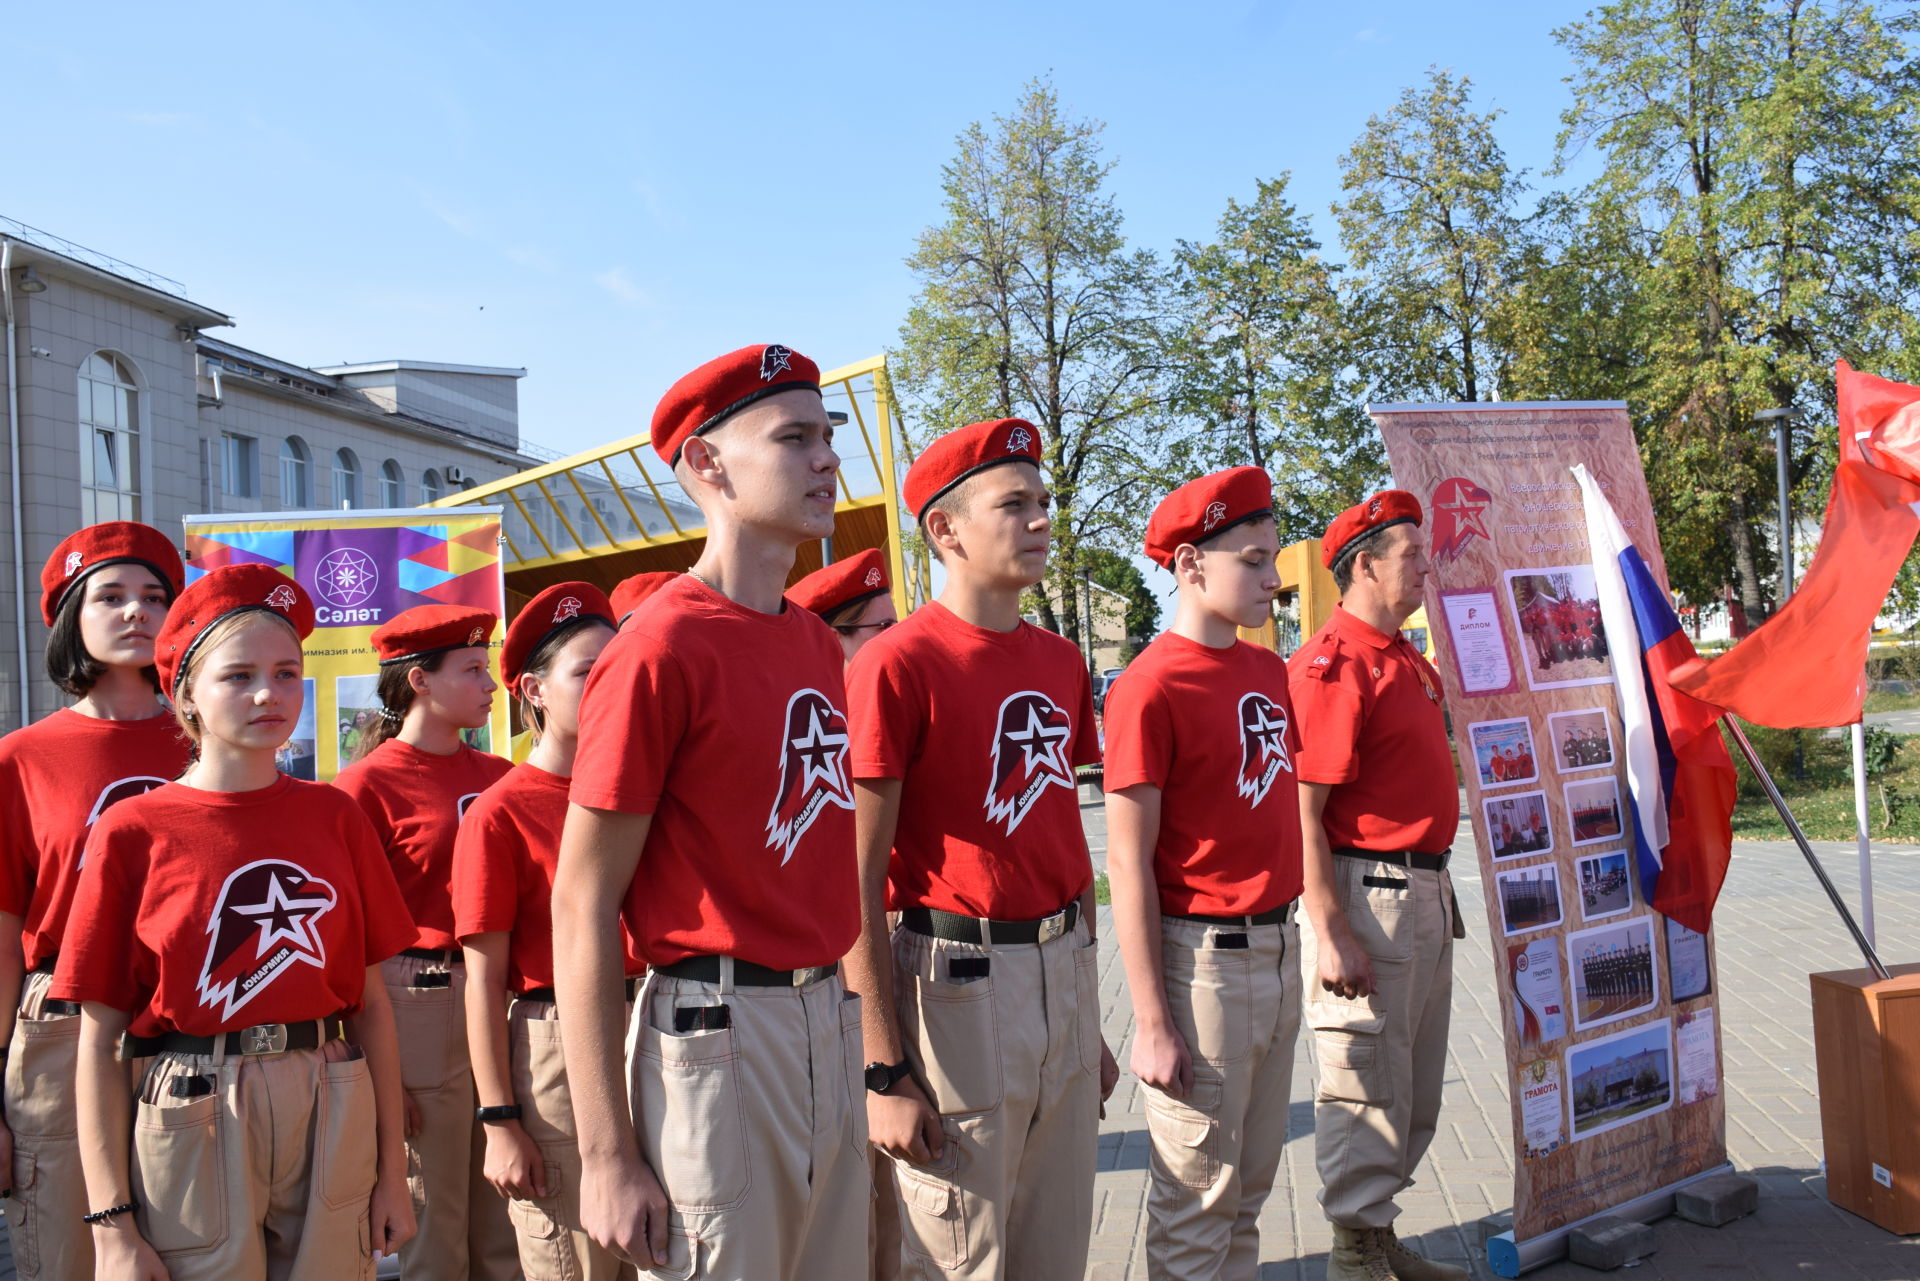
(40, 1075)
(423, 1017)
(683, 1255)
(23, 1222)
(933, 1218)
(692, 1118)
(179, 1180)
(953, 1040)
(1347, 1040)
(1086, 981)
(347, 1157)
(1186, 1137)
(1381, 916)
(546, 1249)
(540, 1081)
(1207, 994)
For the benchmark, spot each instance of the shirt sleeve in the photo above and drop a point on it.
(1139, 735)
(486, 889)
(1086, 739)
(18, 864)
(633, 716)
(389, 926)
(97, 961)
(1329, 715)
(886, 713)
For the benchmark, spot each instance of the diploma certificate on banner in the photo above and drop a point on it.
(1479, 645)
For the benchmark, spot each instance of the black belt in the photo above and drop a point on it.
(58, 1008)
(1272, 916)
(453, 957)
(267, 1038)
(953, 927)
(1399, 858)
(46, 966)
(706, 969)
(546, 993)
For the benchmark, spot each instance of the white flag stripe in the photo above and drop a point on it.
(1607, 538)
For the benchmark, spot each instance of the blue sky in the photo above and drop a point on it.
(608, 194)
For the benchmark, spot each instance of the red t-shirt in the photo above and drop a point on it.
(57, 776)
(1372, 724)
(1213, 730)
(984, 729)
(725, 724)
(415, 800)
(203, 912)
(503, 863)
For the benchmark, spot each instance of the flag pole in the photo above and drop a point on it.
(1800, 839)
(1860, 827)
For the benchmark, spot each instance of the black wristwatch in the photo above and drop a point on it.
(502, 1112)
(881, 1077)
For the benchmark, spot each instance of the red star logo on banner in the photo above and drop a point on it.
(1459, 515)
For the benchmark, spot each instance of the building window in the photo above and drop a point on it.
(109, 441)
(430, 486)
(237, 465)
(393, 485)
(346, 479)
(296, 475)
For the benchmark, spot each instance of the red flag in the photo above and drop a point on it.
(1806, 665)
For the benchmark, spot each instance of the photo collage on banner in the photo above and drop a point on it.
(1613, 1065)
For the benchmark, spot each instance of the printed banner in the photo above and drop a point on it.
(361, 570)
(1613, 1066)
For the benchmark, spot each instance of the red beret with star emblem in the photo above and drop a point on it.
(1388, 507)
(845, 582)
(1210, 505)
(630, 594)
(214, 595)
(959, 454)
(428, 629)
(724, 386)
(546, 614)
(112, 542)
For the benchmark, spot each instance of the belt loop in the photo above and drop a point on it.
(726, 976)
(219, 1050)
(986, 931)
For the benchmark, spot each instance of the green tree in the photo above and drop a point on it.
(1260, 352)
(1119, 574)
(1032, 305)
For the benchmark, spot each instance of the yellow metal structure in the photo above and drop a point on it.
(1314, 594)
(617, 510)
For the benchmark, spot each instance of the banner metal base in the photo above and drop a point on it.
(1510, 1258)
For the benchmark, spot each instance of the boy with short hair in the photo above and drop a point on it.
(1203, 853)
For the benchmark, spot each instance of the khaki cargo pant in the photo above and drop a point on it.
(553, 1246)
(49, 1195)
(1216, 1152)
(1382, 1058)
(757, 1131)
(465, 1234)
(270, 1174)
(1011, 1061)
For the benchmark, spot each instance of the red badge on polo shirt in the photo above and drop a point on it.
(1388, 507)
(722, 387)
(959, 454)
(1029, 755)
(428, 629)
(631, 593)
(263, 923)
(813, 769)
(856, 578)
(214, 595)
(1210, 505)
(114, 541)
(545, 614)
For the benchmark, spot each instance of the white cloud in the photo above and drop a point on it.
(616, 282)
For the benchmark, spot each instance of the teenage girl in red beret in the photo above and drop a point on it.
(414, 779)
(104, 593)
(232, 924)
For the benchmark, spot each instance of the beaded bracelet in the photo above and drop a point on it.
(102, 1216)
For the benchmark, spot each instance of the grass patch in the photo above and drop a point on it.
(1822, 799)
(1886, 700)
(1102, 893)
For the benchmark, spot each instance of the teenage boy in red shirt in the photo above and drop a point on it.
(986, 1067)
(711, 807)
(1204, 854)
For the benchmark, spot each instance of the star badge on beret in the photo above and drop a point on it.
(874, 579)
(281, 597)
(569, 607)
(774, 361)
(74, 561)
(1216, 512)
(477, 635)
(1019, 441)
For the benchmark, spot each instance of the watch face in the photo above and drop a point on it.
(879, 1078)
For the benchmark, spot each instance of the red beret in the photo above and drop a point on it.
(857, 578)
(428, 629)
(214, 595)
(631, 593)
(705, 398)
(959, 454)
(1207, 506)
(115, 541)
(1388, 507)
(545, 614)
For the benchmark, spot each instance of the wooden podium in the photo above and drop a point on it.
(1866, 1043)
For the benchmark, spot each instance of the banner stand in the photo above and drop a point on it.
(1510, 1258)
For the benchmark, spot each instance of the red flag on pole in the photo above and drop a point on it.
(1805, 666)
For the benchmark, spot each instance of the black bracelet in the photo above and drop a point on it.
(499, 1112)
(101, 1216)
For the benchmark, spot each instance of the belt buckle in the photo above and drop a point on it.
(1053, 926)
(265, 1038)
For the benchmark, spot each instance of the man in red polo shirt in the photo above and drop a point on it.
(1379, 805)
(986, 1067)
(1203, 849)
(711, 808)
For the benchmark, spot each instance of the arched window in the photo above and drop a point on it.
(429, 486)
(346, 479)
(296, 475)
(393, 485)
(109, 440)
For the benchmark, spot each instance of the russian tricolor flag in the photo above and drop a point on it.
(1678, 770)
